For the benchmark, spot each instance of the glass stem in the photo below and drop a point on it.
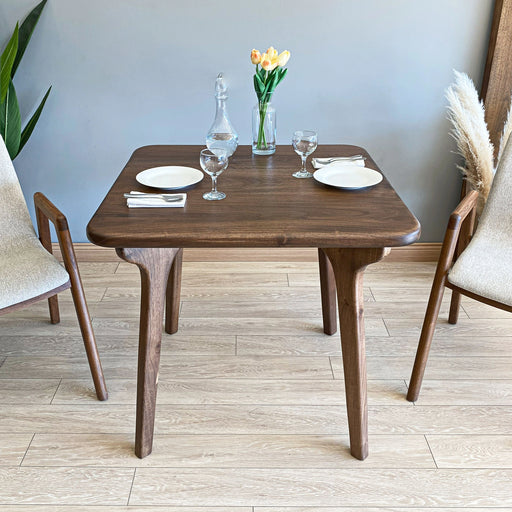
(304, 158)
(214, 183)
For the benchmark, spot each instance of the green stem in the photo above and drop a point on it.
(262, 143)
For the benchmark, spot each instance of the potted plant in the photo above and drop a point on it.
(10, 118)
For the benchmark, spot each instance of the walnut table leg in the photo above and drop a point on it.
(328, 291)
(348, 266)
(154, 265)
(172, 307)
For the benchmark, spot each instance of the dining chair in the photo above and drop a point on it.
(483, 262)
(28, 270)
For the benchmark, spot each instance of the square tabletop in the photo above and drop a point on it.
(265, 206)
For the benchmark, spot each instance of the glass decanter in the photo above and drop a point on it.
(222, 137)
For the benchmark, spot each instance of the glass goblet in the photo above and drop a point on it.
(213, 164)
(304, 143)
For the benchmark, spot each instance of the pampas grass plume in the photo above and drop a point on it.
(467, 115)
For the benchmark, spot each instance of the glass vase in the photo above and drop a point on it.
(263, 129)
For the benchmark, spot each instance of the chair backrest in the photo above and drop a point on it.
(15, 222)
(496, 219)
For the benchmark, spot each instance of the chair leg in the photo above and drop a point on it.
(453, 317)
(53, 305)
(43, 226)
(462, 218)
(91, 349)
(467, 229)
(427, 333)
(84, 319)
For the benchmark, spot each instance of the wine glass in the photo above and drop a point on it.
(304, 143)
(213, 164)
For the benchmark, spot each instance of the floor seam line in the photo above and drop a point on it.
(28, 448)
(430, 449)
(56, 391)
(332, 369)
(131, 487)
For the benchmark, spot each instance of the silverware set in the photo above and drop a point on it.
(168, 198)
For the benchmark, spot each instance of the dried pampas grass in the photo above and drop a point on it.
(467, 115)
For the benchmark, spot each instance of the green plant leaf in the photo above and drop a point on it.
(271, 85)
(268, 83)
(282, 74)
(10, 121)
(257, 88)
(259, 83)
(26, 30)
(29, 128)
(6, 63)
(275, 80)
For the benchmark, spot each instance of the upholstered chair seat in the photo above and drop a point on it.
(485, 269)
(27, 270)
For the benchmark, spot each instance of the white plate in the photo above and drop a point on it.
(170, 177)
(350, 177)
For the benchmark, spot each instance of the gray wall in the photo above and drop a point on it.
(126, 73)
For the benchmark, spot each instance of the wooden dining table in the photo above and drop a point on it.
(265, 207)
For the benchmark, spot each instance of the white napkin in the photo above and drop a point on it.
(154, 202)
(320, 162)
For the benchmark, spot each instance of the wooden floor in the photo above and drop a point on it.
(251, 414)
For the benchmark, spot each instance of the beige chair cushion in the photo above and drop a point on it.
(26, 271)
(485, 267)
(26, 268)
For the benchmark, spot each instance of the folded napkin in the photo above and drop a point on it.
(155, 202)
(320, 162)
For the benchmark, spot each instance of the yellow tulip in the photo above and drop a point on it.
(272, 53)
(255, 57)
(283, 58)
(266, 62)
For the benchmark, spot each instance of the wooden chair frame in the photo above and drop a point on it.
(46, 211)
(458, 235)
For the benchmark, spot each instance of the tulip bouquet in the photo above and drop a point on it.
(270, 71)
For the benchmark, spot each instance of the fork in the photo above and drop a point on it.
(336, 158)
(168, 198)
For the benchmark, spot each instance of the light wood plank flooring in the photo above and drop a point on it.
(251, 410)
